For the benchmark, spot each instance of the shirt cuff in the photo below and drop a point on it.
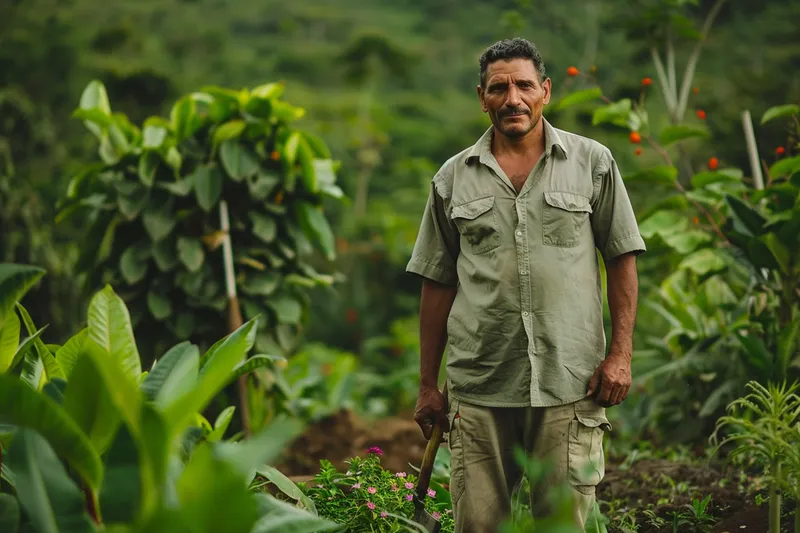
(431, 271)
(631, 243)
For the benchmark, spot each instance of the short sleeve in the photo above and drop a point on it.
(437, 246)
(614, 225)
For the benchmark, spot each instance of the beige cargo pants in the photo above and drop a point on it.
(484, 472)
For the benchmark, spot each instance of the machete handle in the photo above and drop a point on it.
(428, 459)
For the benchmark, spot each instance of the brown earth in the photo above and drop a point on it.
(660, 485)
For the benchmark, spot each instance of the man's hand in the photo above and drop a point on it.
(431, 406)
(611, 381)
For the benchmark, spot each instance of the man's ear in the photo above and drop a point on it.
(547, 85)
(479, 90)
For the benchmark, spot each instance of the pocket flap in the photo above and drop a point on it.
(473, 209)
(592, 415)
(568, 201)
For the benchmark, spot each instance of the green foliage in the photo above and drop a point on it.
(115, 447)
(370, 498)
(151, 211)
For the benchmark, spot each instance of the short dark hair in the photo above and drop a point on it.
(507, 49)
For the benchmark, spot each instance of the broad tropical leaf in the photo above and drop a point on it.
(174, 375)
(51, 366)
(779, 111)
(110, 328)
(680, 132)
(665, 175)
(579, 97)
(15, 281)
(52, 501)
(67, 355)
(22, 406)
(9, 340)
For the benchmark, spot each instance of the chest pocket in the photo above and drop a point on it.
(563, 217)
(477, 222)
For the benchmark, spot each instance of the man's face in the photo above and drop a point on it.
(514, 96)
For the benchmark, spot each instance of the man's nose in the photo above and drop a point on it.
(513, 99)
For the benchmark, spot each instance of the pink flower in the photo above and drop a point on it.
(409, 485)
(357, 485)
(372, 490)
(394, 488)
(436, 515)
(431, 493)
(384, 514)
(375, 450)
(400, 474)
(371, 506)
(409, 497)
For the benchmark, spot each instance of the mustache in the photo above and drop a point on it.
(513, 111)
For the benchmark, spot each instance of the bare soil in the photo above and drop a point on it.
(662, 486)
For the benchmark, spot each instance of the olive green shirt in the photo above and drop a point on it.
(526, 326)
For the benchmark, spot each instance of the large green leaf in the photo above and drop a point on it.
(261, 283)
(174, 375)
(148, 165)
(726, 175)
(579, 97)
(88, 401)
(756, 353)
(131, 198)
(309, 171)
(255, 362)
(287, 486)
(665, 175)
(9, 513)
(278, 515)
(229, 130)
(110, 328)
(615, 113)
(153, 136)
(22, 406)
(316, 228)
(248, 455)
(287, 309)
(237, 160)
(221, 424)
(704, 261)
(15, 282)
(32, 371)
(264, 226)
(158, 304)
(215, 373)
(165, 255)
(779, 111)
(51, 366)
(121, 492)
(663, 223)
(9, 340)
(785, 167)
(780, 252)
(750, 219)
(183, 117)
(201, 500)
(207, 181)
(67, 355)
(681, 132)
(191, 254)
(52, 501)
(687, 241)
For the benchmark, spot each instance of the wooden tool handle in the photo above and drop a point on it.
(427, 461)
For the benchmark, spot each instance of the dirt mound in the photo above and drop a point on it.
(343, 435)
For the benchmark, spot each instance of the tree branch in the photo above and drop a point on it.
(669, 94)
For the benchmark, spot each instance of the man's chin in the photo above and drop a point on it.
(514, 131)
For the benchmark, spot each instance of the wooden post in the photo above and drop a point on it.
(752, 150)
(235, 320)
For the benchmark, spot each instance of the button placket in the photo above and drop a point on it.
(523, 260)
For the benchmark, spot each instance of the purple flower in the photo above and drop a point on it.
(409, 497)
(384, 514)
(371, 506)
(394, 488)
(372, 490)
(409, 485)
(436, 515)
(431, 493)
(400, 474)
(375, 450)
(357, 485)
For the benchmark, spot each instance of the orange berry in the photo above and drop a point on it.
(635, 137)
(638, 151)
(713, 163)
(274, 156)
(572, 71)
(701, 114)
(696, 220)
(279, 197)
(647, 81)
(351, 315)
(780, 150)
(695, 90)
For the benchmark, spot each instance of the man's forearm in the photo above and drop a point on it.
(436, 302)
(623, 291)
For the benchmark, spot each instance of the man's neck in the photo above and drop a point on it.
(532, 144)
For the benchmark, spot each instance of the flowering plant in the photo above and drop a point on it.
(368, 497)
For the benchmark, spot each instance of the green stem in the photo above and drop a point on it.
(775, 499)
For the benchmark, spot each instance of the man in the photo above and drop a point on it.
(511, 284)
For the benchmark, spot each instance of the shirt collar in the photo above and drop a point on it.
(482, 149)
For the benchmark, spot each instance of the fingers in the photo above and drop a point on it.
(593, 382)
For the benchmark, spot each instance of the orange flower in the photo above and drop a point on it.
(635, 137)
(696, 220)
(274, 156)
(572, 71)
(638, 151)
(279, 197)
(713, 163)
(647, 81)
(780, 150)
(695, 90)
(701, 114)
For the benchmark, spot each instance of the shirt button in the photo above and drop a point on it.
(519, 234)
(524, 313)
(522, 272)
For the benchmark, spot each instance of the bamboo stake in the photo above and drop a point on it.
(235, 320)
(752, 150)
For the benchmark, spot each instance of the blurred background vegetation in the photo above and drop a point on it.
(389, 86)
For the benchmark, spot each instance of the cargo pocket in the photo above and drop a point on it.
(586, 460)
(477, 222)
(456, 452)
(563, 216)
